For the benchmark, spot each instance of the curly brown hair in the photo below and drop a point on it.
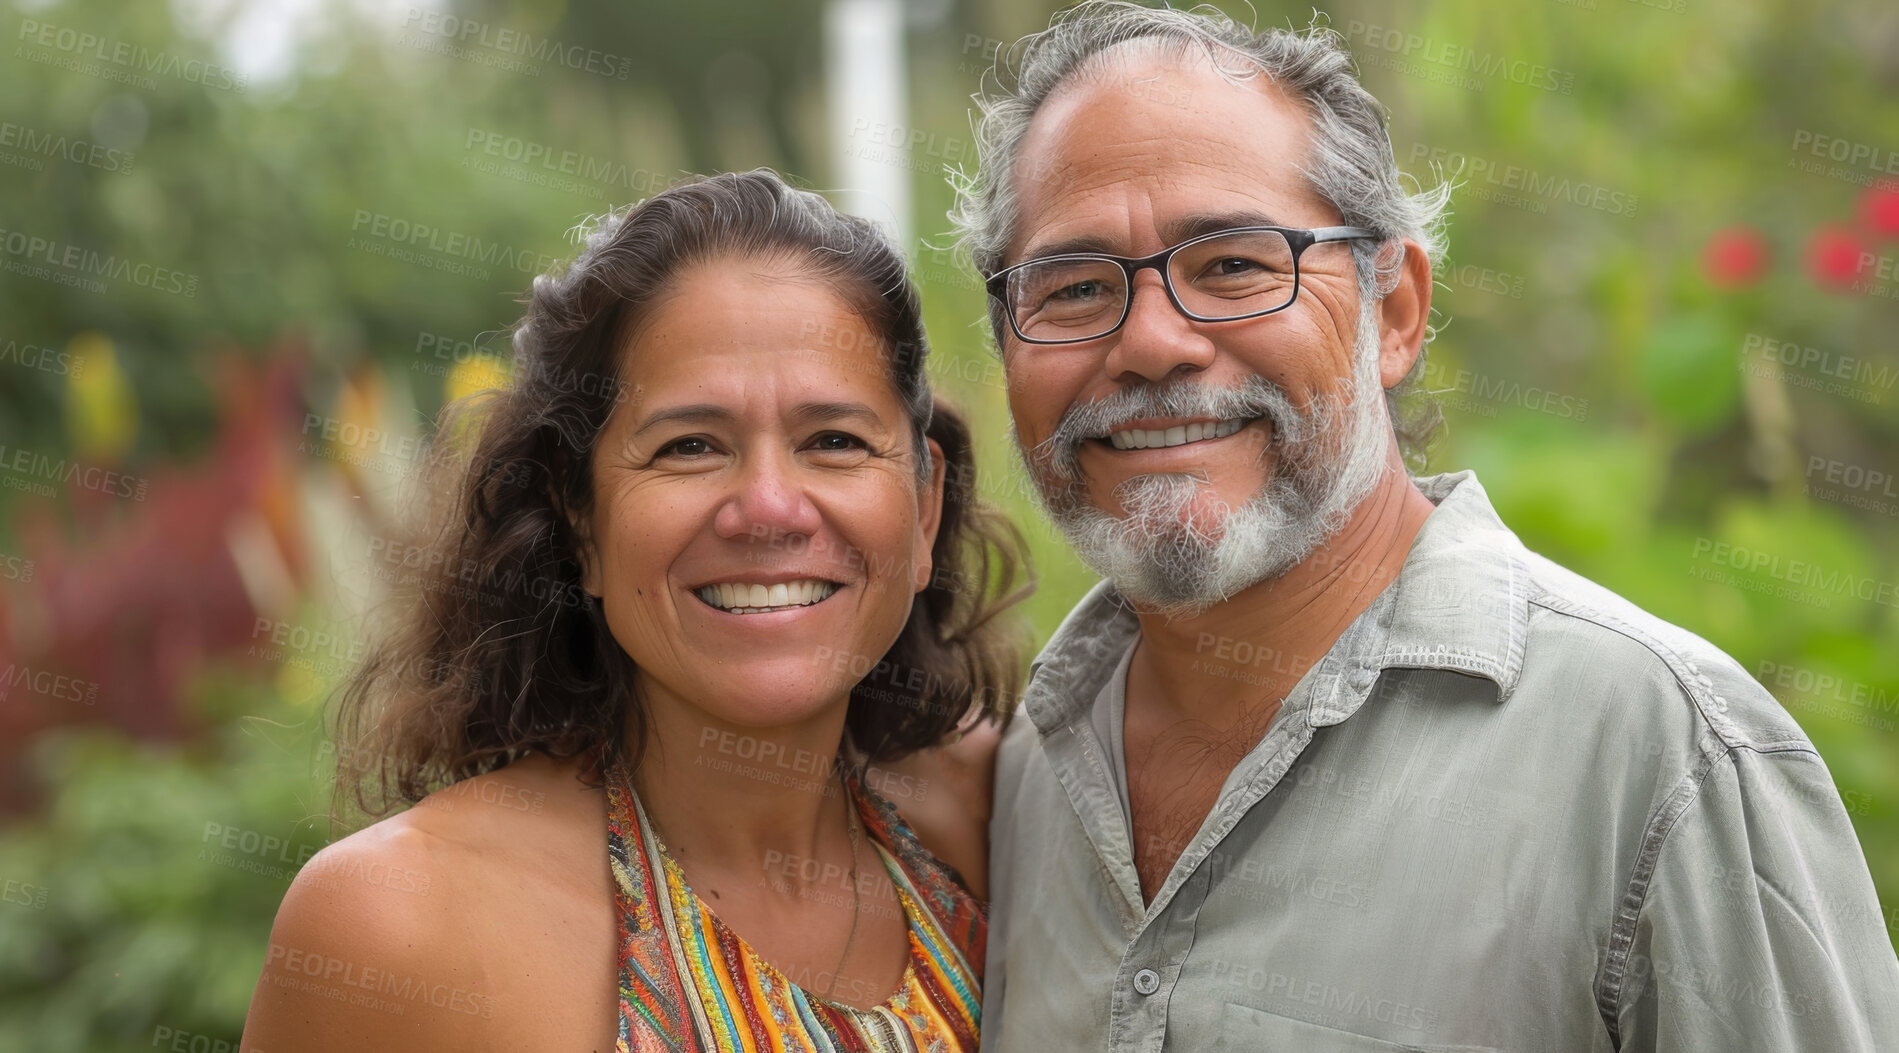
(494, 649)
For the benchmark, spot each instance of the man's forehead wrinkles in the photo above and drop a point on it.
(1102, 197)
(1094, 152)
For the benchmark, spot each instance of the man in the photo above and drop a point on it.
(1330, 761)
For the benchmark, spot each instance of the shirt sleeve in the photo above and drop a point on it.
(1759, 928)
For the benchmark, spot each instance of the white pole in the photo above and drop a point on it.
(864, 53)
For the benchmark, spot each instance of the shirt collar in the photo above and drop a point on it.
(1460, 603)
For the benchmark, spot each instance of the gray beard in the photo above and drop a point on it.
(1171, 557)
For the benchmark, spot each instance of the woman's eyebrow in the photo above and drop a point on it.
(695, 413)
(827, 412)
(810, 412)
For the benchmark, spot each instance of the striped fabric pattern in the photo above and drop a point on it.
(689, 984)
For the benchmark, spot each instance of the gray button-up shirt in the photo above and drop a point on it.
(1507, 811)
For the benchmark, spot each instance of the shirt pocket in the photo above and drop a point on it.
(1243, 1028)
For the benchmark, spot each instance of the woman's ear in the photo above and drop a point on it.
(581, 529)
(929, 518)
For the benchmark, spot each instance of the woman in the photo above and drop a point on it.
(713, 574)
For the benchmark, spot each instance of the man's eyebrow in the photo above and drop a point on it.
(1176, 231)
(696, 413)
(1172, 232)
(1064, 246)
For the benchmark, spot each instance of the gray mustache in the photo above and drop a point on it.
(1257, 397)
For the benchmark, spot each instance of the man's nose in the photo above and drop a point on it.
(1157, 340)
(768, 499)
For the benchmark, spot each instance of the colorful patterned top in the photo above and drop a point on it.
(688, 984)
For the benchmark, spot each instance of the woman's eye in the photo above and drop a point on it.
(837, 440)
(689, 447)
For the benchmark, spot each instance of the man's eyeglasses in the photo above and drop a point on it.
(1224, 276)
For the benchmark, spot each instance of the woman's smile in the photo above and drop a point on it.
(756, 597)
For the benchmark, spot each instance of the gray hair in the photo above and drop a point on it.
(1352, 164)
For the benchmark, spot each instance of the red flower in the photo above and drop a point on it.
(1734, 257)
(1879, 206)
(1833, 256)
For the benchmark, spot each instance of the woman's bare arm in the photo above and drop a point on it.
(944, 793)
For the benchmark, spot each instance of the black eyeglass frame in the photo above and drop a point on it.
(1298, 240)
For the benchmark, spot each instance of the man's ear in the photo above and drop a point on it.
(929, 518)
(1404, 314)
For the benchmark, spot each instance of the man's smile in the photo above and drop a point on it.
(1177, 434)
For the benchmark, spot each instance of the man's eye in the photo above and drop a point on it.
(1087, 290)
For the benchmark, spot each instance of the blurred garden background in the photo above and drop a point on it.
(249, 248)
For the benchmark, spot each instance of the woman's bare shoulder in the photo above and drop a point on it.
(388, 939)
(364, 953)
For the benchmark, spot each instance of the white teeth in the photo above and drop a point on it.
(740, 598)
(1149, 438)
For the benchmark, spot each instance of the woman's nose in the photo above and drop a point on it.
(768, 499)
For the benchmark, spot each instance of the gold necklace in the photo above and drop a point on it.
(850, 825)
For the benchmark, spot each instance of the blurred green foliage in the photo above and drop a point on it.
(1613, 397)
(154, 873)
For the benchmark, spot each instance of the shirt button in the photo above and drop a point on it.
(1147, 981)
